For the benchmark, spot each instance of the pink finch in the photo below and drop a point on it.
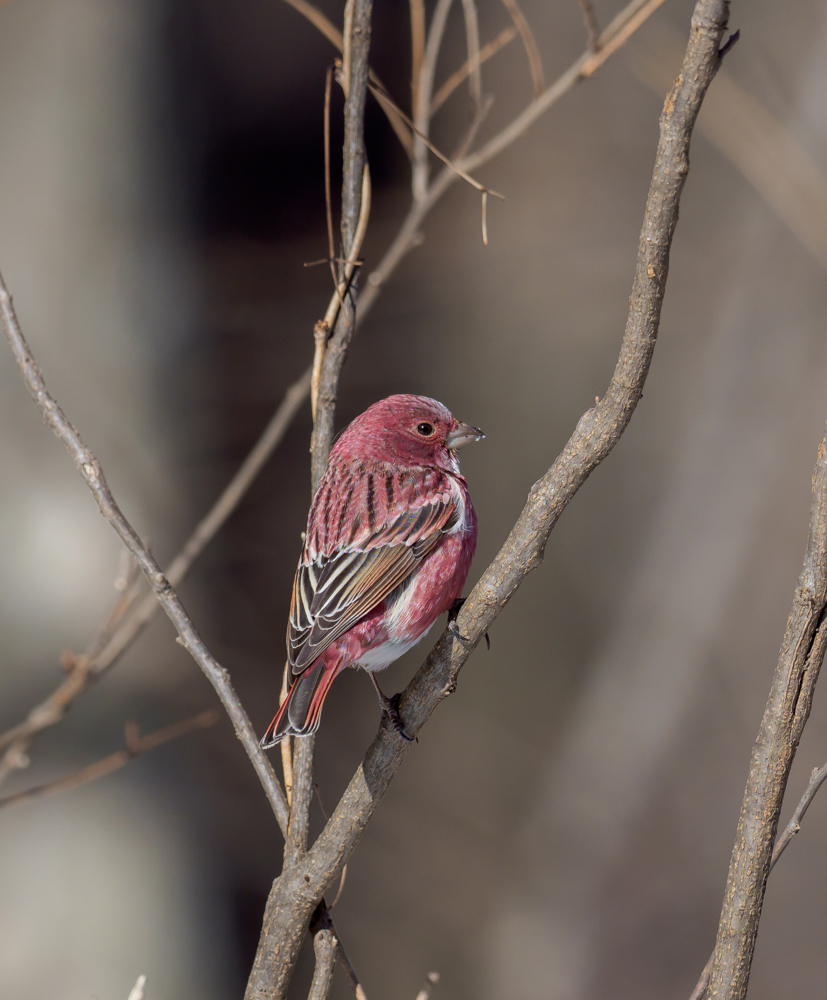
(390, 539)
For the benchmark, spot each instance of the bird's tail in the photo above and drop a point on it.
(301, 710)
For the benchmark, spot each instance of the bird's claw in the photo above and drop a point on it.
(390, 708)
(453, 628)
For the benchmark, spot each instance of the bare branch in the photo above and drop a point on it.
(535, 63)
(135, 746)
(591, 25)
(788, 706)
(817, 779)
(350, 973)
(422, 110)
(92, 474)
(455, 79)
(472, 35)
(83, 674)
(296, 893)
(334, 36)
(417, 45)
(325, 950)
(450, 163)
(86, 670)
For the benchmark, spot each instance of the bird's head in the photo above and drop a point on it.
(408, 431)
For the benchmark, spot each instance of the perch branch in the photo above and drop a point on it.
(92, 474)
(50, 711)
(297, 892)
(135, 746)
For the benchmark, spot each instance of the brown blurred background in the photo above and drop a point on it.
(563, 828)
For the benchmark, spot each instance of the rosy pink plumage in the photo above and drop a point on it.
(389, 543)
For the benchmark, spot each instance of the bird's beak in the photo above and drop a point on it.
(463, 434)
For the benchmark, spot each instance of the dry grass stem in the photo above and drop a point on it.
(535, 63)
(472, 35)
(417, 47)
(455, 79)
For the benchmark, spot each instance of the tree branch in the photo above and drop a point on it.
(788, 706)
(298, 890)
(92, 474)
(135, 746)
(325, 948)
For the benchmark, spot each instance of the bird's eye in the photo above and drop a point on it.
(425, 429)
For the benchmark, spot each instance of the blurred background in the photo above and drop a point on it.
(563, 828)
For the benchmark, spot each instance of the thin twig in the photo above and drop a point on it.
(350, 972)
(535, 63)
(334, 36)
(135, 746)
(472, 35)
(455, 79)
(295, 894)
(85, 671)
(417, 47)
(591, 24)
(92, 473)
(448, 162)
(422, 110)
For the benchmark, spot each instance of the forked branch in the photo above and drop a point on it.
(299, 889)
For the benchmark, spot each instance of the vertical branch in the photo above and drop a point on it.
(422, 99)
(287, 924)
(472, 33)
(785, 715)
(325, 949)
(355, 86)
(417, 44)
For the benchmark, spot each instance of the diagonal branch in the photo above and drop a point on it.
(84, 673)
(92, 474)
(297, 892)
(135, 746)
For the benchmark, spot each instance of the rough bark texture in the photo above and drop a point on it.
(297, 892)
(788, 707)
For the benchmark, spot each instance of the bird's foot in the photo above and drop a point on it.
(390, 707)
(453, 628)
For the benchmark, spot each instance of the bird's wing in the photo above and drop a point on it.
(332, 592)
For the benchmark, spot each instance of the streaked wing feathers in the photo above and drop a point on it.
(331, 593)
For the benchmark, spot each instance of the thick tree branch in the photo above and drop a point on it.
(92, 474)
(298, 891)
(788, 706)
